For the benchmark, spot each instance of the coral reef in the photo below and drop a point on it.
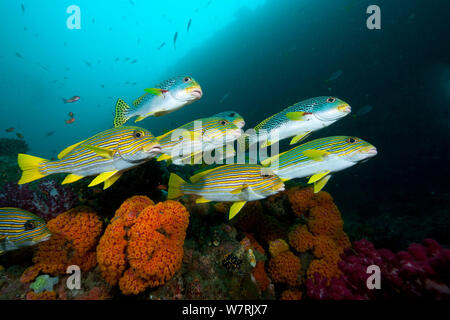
(414, 273)
(285, 268)
(143, 245)
(47, 199)
(74, 236)
(44, 283)
(11, 147)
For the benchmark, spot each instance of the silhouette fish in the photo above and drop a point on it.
(175, 36)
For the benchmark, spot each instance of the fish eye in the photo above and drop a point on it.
(331, 99)
(351, 140)
(138, 134)
(187, 79)
(180, 138)
(29, 225)
(223, 122)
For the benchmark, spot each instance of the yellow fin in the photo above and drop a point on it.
(121, 116)
(239, 190)
(318, 176)
(196, 177)
(285, 179)
(30, 167)
(138, 100)
(299, 137)
(295, 116)
(268, 161)
(103, 152)
(316, 155)
(235, 208)
(101, 178)
(175, 183)
(318, 185)
(202, 200)
(110, 181)
(63, 153)
(163, 157)
(140, 118)
(71, 178)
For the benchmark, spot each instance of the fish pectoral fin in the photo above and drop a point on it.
(155, 91)
(318, 185)
(71, 178)
(295, 116)
(110, 181)
(235, 208)
(299, 137)
(102, 177)
(139, 100)
(103, 152)
(63, 153)
(316, 155)
(163, 157)
(318, 176)
(202, 200)
(240, 189)
(140, 118)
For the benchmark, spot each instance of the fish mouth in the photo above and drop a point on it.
(196, 92)
(344, 108)
(372, 151)
(154, 149)
(240, 124)
(42, 238)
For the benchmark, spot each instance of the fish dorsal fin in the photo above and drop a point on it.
(295, 116)
(318, 176)
(139, 100)
(240, 189)
(71, 178)
(299, 137)
(102, 177)
(103, 152)
(63, 153)
(196, 177)
(316, 155)
(261, 124)
(235, 208)
(202, 200)
(318, 185)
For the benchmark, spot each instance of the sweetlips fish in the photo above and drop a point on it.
(300, 119)
(20, 228)
(164, 98)
(107, 154)
(233, 117)
(236, 183)
(198, 136)
(320, 158)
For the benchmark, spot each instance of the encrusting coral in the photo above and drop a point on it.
(143, 245)
(74, 236)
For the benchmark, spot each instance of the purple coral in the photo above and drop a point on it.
(47, 201)
(419, 272)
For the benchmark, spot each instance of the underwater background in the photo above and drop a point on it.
(256, 59)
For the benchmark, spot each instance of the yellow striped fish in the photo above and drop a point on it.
(236, 183)
(20, 228)
(198, 136)
(107, 154)
(300, 119)
(319, 158)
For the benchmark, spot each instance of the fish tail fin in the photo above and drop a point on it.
(122, 113)
(175, 183)
(30, 167)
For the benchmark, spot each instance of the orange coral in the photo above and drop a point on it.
(74, 236)
(285, 268)
(260, 275)
(291, 294)
(300, 238)
(301, 200)
(143, 246)
(45, 295)
(277, 246)
(326, 267)
(325, 220)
